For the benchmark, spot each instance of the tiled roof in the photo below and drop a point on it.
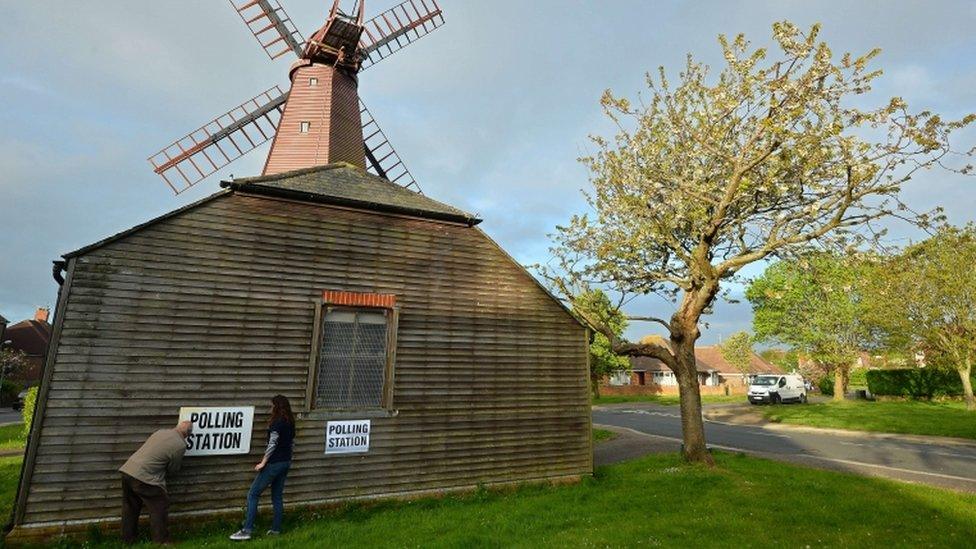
(29, 336)
(347, 185)
(708, 358)
(711, 357)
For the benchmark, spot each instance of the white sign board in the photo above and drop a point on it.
(218, 431)
(347, 437)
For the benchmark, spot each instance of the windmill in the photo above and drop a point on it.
(321, 119)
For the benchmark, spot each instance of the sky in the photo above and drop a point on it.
(490, 112)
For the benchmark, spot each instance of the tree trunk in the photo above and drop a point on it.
(692, 426)
(840, 382)
(967, 385)
(595, 385)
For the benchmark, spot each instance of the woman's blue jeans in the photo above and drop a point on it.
(273, 474)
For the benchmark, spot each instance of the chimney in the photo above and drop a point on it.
(42, 314)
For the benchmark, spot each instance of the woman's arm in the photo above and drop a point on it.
(272, 444)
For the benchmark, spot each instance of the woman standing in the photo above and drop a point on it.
(273, 469)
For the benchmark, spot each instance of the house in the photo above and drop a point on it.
(713, 371)
(30, 337)
(373, 308)
(711, 357)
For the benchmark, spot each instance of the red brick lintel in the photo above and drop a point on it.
(358, 299)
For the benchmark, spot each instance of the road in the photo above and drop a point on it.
(941, 464)
(10, 416)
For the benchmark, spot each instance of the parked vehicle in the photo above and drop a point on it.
(18, 404)
(775, 389)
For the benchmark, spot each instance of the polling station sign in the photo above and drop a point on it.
(347, 437)
(218, 431)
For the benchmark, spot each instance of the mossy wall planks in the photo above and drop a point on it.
(215, 306)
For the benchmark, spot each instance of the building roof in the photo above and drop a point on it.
(337, 184)
(343, 184)
(708, 358)
(29, 336)
(711, 357)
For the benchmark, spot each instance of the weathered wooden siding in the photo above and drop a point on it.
(215, 307)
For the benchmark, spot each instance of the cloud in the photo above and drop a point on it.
(489, 112)
(25, 84)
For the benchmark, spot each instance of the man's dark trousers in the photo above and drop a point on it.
(135, 494)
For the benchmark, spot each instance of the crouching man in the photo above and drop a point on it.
(144, 481)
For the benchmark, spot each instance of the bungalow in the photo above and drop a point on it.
(713, 371)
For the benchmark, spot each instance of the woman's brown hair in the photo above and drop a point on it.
(281, 409)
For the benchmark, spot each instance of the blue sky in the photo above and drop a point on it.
(490, 112)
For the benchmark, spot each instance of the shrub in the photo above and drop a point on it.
(826, 385)
(28, 412)
(8, 392)
(858, 378)
(914, 383)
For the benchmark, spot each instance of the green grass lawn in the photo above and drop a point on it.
(948, 419)
(602, 435)
(653, 501)
(668, 400)
(12, 436)
(9, 476)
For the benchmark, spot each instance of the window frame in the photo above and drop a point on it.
(392, 315)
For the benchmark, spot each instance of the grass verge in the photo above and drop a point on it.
(9, 476)
(669, 400)
(12, 437)
(948, 419)
(656, 500)
(602, 435)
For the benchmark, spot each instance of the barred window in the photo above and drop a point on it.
(354, 358)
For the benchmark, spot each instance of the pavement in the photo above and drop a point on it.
(8, 415)
(644, 428)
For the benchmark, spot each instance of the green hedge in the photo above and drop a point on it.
(858, 378)
(826, 385)
(28, 412)
(915, 383)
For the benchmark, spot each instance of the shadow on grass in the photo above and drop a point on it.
(656, 500)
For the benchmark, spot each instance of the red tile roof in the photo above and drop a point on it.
(29, 336)
(708, 358)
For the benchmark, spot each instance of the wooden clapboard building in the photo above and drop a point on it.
(352, 295)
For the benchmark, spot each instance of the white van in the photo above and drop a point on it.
(774, 389)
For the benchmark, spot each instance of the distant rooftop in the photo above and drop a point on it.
(347, 185)
(708, 358)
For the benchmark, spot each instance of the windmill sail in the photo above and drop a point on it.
(190, 159)
(397, 27)
(317, 118)
(272, 27)
(381, 158)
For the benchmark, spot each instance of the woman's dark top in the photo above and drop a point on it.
(281, 438)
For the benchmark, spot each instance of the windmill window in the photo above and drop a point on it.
(312, 82)
(304, 127)
(354, 366)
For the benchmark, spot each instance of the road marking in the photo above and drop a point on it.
(953, 454)
(649, 413)
(808, 456)
(770, 435)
